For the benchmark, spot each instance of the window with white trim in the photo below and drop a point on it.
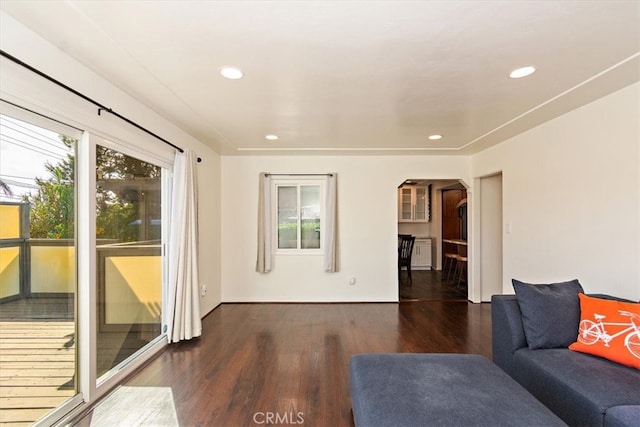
(298, 216)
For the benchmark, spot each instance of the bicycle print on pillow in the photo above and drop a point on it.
(609, 329)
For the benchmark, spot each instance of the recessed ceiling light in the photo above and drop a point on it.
(435, 137)
(271, 137)
(231, 73)
(521, 72)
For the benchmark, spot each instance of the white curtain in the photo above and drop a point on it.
(263, 264)
(183, 315)
(330, 229)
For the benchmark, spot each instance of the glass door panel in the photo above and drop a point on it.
(407, 203)
(129, 258)
(421, 204)
(37, 270)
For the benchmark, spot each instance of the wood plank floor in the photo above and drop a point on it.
(429, 285)
(37, 366)
(293, 359)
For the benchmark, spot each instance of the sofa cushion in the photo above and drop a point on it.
(578, 387)
(609, 329)
(550, 312)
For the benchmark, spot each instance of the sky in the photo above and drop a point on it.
(24, 151)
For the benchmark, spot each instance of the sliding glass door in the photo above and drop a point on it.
(128, 255)
(38, 346)
(81, 264)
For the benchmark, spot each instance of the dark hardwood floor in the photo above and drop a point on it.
(293, 359)
(430, 285)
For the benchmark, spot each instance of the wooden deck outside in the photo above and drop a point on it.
(37, 356)
(37, 365)
(37, 359)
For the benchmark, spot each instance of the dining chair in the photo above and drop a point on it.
(405, 249)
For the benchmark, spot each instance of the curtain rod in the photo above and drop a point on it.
(298, 174)
(100, 106)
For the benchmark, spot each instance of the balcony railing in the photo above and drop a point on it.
(37, 312)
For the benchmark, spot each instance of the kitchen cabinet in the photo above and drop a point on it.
(414, 204)
(421, 256)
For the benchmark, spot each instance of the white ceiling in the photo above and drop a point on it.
(349, 76)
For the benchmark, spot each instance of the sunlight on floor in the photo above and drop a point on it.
(136, 406)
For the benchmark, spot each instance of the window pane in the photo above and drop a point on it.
(37, 270)
(128, 229)
(310, 215)
(287, 217)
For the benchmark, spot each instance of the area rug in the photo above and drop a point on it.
(136, 406)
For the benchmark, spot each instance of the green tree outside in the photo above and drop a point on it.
(52, 210)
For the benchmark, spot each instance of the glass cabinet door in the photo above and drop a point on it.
(406, 204)
(420, 211)
(413, 204)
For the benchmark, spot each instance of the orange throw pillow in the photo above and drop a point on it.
(609, 329)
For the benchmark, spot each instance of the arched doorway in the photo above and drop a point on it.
(430, 282)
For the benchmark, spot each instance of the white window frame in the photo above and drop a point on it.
(297, 182)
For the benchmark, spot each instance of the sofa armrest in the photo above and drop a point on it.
(506, 329)
(622, 416)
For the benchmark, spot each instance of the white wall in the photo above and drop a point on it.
(417, 228)
(209, 229)
(489, 191)
(367, 224)
(571, 192)
(24, 88)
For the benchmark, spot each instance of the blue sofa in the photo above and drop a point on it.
(581, 389)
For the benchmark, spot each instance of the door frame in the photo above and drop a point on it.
(476, 267)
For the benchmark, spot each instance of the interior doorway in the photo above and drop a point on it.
(420, 214)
